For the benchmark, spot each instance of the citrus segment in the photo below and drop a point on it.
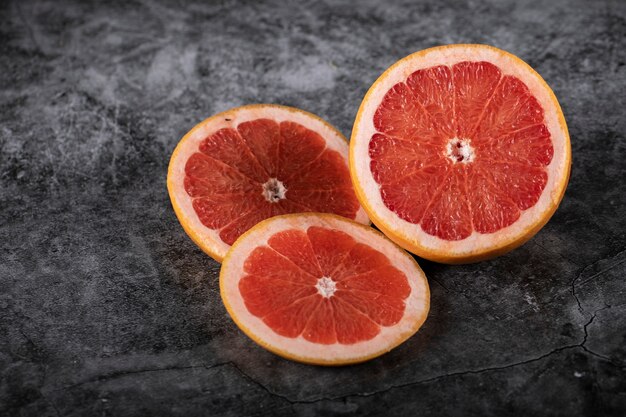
(528, 146)
(351, 325)
(253, 162)
(394, 157)
(493, 209)
(338, 201)
(208, 173)
(460, 152)
(511, 108)
(290, 320)
(227, 146)
(474, 85)
(265, 295)
(295, 245)
(298, 147)
(265, 261)
(399, 114)
(240, 223)
(326, 172)
(447, 215)
(262, 137)
(219, 210)
(432, 89)
(322, 289)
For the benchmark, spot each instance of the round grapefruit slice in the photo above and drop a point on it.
(321, 289)
(460, 153)
(253, 162)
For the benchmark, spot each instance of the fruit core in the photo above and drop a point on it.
(274, 190)
(326, 287)
(460, 150)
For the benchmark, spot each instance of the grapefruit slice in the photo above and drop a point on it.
(321, 289)
(460, 153)
(253, 162)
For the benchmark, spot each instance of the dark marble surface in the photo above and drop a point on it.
(108, 309)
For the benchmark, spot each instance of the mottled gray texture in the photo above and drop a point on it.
(107, 308)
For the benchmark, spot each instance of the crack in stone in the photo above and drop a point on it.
(461, 373)
(586, 349)
(593, 316)
(442, 376)
(418, 382)
(290, 401)
(580, 307)
(605, 358)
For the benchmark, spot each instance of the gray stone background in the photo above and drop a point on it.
(108, 309)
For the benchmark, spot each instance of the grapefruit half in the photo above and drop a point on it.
(321, 289)
(253, 162)
(460, 153)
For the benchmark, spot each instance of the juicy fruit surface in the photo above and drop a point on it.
(261, 169)
(324, 286)
(459, 149)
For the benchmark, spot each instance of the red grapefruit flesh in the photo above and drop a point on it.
(321, 289)
(253, 162)
(460, 153)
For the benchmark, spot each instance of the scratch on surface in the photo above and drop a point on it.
(594, 276)
(28, 26)
(49, 401)
(43, 394)
(121, 374)
(560, 255)
(260, 385)
(28, 339)
(440, 284)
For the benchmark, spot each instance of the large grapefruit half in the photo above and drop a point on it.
(460, 153)
(253, 162)
(321, 289)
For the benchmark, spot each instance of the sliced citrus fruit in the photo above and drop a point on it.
(460, 153)
(321, 289)
(253, 162)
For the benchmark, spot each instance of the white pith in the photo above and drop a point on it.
(476, 242)
(417, 304)
(326, 287)
(231, 119)
(460, 151)
(274, 190)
